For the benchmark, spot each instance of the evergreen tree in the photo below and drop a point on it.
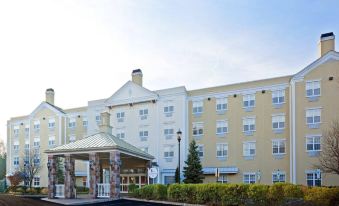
(60, 171)
(193, 171)
(177, 176)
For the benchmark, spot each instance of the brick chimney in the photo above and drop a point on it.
(326, 43)
(137, 76)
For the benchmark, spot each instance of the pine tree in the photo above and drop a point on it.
(193, 171)
(177, 177)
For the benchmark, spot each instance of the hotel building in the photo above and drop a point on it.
(261, 131)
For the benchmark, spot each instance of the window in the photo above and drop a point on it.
(222, 127)
(168, 151)
(16, 161)
(143, 113)
(36, 142)
(26, 144)
(120, 116)
(278, 121)
(278, 146)
(249, 100)
(249, 178)
(248, 149)
(169, 132)
(143, 135)
(313, 143)
(312, 88)
(248, 124)
(84, 122)
(313, 116)
(197, 107)
(36, 125)
(278, 96)
(120, 134)
(201, 150)
(51, 141)
(169, 109)
(198, 129)
(71, 123)
(98, 119)
(278, 176)
(27, 129)
(72, 138)
(313, 178)
(51, 123)
(222, 149)
(36, 181)
(36, 159)
(16, 130)
(222, 179)
(16, 145)
(221, 104)
(169, 180)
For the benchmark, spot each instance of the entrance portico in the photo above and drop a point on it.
(107, 156)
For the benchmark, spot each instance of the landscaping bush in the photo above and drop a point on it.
(31, 191)
(132, 188)
(322, 196)
(258, 194)
(82, 190)
(44, 191)
(293, 191)
(234, 194)
(155, 192)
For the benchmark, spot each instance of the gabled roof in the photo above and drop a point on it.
(329, 56)
(131, 92)
(47, 105)
(100, 141)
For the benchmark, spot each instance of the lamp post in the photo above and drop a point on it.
(179, 139)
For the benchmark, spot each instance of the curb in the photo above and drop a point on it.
(161, 202)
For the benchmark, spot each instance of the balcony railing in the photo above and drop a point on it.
(103, 190)
(60, 191)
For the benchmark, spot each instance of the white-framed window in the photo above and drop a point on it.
(51, 123)
(222, 126)
(278, 176)
(278, 121)
(16, 161)
(72, 138)
(248, 124)
(278, 96)
(249, 178)
(221, 104)
(16, 145)
(278, 146)
(26, 128)
(248, 100)
(222, 179)
(200, 150)
(143, 113)
(71, 122)
(36, 125)
(198, 107)
(120, 133)
(313, 177)
(168, 132)
(313, 116)
(26, 144)
(249, 149)
(168, 109)
(16, 130)
(36, 181)
(36, 142)
(313, 88)
(36, 159)
(169, 151)
(143, 134)
(198, 128)
(222, 149)
(98, 119)
(120, 116)
(51, 141)
(84, 122)
(313, 143)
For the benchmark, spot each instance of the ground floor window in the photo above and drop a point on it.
(222, 179)
(278, 177)
(36, 181)
(126, 180)
(169, 180)
(84, 181)
(313, 178)
(249, 178)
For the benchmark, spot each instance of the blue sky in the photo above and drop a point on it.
(86, 50)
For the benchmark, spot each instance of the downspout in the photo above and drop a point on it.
(292, 133)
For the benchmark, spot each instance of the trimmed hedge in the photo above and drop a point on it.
(240, 194)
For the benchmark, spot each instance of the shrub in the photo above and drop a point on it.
(293, 191)
(174, 192)
(322, 196)
(258, 194)
(156, 192)
(44, 191)
(81, 189)
(132, 188)
(234, 194)
(31, 191)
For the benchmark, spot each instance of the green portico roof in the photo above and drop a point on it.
(99, 141)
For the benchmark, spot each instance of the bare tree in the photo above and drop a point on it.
(329, 157)
(31, 165)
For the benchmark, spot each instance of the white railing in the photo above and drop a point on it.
(60, 191)
(103, 190)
